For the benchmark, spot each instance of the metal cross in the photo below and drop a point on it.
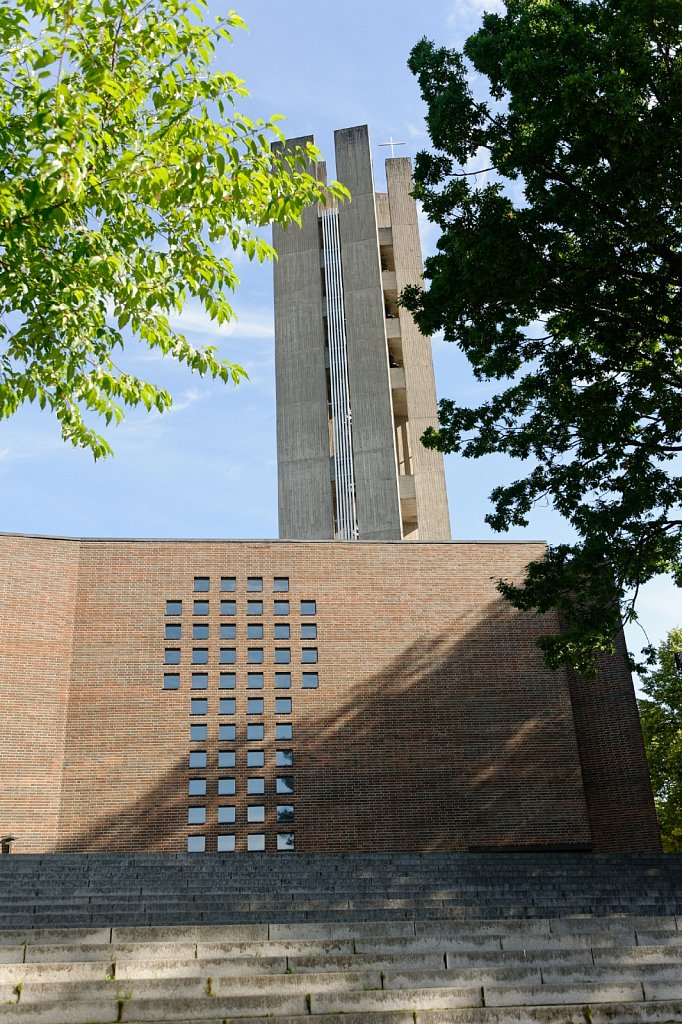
(392, 144)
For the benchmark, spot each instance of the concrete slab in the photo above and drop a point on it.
(395, 999)
(541, 995)
(275, 947)
(192, 933)
(133, 970)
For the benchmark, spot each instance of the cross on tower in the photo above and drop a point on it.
(392, 144)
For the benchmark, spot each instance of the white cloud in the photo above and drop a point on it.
(195, 320)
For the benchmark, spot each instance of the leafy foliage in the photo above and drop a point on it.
(661, 718)
(124, 165)
(558, 272)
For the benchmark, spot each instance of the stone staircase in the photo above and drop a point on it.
(393, 939)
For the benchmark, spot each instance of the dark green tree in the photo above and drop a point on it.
(661, 717)
(558, 269)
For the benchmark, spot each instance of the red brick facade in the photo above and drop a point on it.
(435, 725)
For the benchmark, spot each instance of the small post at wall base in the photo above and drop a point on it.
(6, 843)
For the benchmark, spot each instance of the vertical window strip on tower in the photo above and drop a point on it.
(346, 515)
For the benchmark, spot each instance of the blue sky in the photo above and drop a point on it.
(208, 468)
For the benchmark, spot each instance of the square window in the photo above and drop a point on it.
(282, 631)
(281, 607)
(255, 842)
(254, 631)
(255, 731)
(227, 681)
(196, 816)
(201, 607)
(198, 733)
(228, 655)
(198, 706)
(228, 706)
(281, 584)
(282, 680)
(308, 631)
(228, 584)
(309, 655)
(284, 731)
(200, 655)
(255, 813)
(226, 815)
(308, 607)
(199, 631)
(173, 607)
(285, 841)
(225, 844)
(228, 631)
(173, 631)
(254, 607)
(197, 759)
(199, 680)
(196, 844)
(254, 584)
(226, 758)
(171, 681)
(255, 758)
(227, 787)
(228, 607)
(227, 732)
(282, 655)
(282, 705)
(310, 680)
(284, 784)
(255, 785)
(284, 758)
(201, 584)
(254, 655)
(196, 787)
(171, 656)
(285, 812)
(254, 681)
(254, 706)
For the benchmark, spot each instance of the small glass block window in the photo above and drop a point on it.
(227, 680)
(228, 655)
(255, 758)
(254, 656)
(171, 656)
(228, 706)
(196, 844)
(255, 731)
(228, 584)
(282, 705)
(255, 813)
(199, 631)
(284, 784)
(310, 680)
(284, 731)
(200, 655)
(228, 607)
(255, 785)
(225, 844)
(285, 812)
(227, 815)
(255, 706)
(254, 607)
(201, 584)
(196, 816)
(282, 680)
(254, 681)
(309, 655)
(286, 841)
(226, 758)
(254, 631)
(227, 732)
(199, 680)
(173, 630)
(197, 706)
(196, 787)
(201, 607)
(281, 607)
(227, 787)
(284, 758)
(198, 759)
(308, 607)
(198, 733)
(282, 655)
(282, 631)
(308, 631)
(255, 842)
(171, 681)
(173, 607)
(254, 584)
(228, 631)
(281, 584)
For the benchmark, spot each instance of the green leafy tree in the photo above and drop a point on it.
(558, 273)
(661, 717)
(124, 164)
